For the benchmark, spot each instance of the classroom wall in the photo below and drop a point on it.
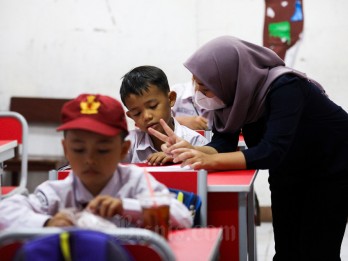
(61, 48)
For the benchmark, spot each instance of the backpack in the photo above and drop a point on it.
(192, 201)
(73, 245)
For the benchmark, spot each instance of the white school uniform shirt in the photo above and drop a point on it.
(128, 181)
(142, 145)
(185, 106)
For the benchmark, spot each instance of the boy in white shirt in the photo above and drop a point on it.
(146, 94)
(186, 111)
(94, 129)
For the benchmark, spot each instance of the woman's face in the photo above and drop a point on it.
(199, 86)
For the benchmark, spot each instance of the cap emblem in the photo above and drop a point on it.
(90, 106)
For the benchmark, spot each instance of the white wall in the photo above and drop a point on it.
(60, 48)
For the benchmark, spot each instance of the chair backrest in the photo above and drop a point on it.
(15, 127)
(58, 174)
(206, 133)
(188, 180)
(141, 244)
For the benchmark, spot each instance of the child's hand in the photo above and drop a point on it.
(171, 140)
(105, 206)
(60, 219)
(159, 158)
(193, 122)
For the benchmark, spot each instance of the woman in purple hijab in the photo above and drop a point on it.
(290, 127)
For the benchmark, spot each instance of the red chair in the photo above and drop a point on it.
(58, 175)
(206, 133)
(15, 127)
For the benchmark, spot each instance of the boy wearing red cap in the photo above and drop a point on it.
(94, 130)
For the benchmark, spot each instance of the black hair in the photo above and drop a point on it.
(139, 79)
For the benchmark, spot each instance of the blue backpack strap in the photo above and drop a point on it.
(74, 245)
(192, 201)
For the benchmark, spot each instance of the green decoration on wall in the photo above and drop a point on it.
(281, 30)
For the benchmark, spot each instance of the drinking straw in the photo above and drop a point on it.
(152, 194)
(149, 182)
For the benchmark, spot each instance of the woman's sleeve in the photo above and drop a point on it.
(224, 142)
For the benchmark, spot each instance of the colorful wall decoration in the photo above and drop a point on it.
(283, 24)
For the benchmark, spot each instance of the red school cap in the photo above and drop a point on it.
(94, 112)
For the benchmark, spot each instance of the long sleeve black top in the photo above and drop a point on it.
(302, 133)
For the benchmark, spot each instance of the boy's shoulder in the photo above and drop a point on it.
(130, 169)
(137, 137)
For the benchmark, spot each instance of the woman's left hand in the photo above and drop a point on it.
(193, 158)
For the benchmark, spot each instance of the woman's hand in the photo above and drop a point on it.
(105, 206)
(193, 158)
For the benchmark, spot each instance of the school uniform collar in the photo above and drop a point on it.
(83, 196)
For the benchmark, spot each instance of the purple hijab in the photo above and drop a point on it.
(240, 74)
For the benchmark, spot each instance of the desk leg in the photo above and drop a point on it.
(242, 216)
(252, 251)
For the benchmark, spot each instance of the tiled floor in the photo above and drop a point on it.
(265, 243)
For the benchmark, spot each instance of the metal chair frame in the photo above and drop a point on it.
(23, 141)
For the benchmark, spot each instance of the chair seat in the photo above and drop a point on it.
(5, 190)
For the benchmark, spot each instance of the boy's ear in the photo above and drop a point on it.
(64, 147)
(172, 98)
(125, 148)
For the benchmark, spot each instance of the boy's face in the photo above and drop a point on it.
(93, 157)
(146, 110)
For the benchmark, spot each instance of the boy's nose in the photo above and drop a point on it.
(147, 115)
(90, 160)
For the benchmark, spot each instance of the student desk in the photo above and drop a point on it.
(7, 151)
(196, 243)
(231, 206)
(7, 148)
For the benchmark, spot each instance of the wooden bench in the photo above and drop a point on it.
(39, 111)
